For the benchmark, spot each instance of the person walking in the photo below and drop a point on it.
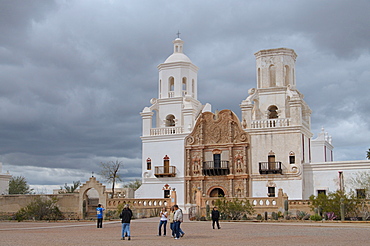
(177, 219)
(170, 220)
(162, 222)
(215, 217)
(126, 216)
(99, 215)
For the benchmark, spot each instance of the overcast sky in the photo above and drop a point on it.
(74, 75)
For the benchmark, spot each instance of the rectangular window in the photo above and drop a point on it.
(148, 165)
(166, 166)
(292, 159)
(271, 191)
(361, 193)
(321, 192)
(217, 160)
(166, 193)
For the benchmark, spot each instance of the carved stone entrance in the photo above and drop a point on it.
(91, 194)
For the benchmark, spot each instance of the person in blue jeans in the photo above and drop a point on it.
(162, 222)
(99, 215)
(126, 216)
(177, 219)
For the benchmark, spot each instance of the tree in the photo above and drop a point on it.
(41, 208)
(133, 184)
(18, 185)
(110, 172)
(331, 203)
(361, 181)
(70, 189)
(368, 154)
(234, 209)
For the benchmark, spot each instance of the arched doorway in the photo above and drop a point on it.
(91, 194)
(90, 203)
(217, 192)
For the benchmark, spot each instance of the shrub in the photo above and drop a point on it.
(234, 209)
(302, 215)
(316, 217)
(330, 216)
(40, 209)
(322, 204)
(259, 217)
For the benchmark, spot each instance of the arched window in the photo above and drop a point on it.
(184, 86)
(286, 75)
(171, 86)
(272, 112)
(272, 73)
(291, 158)
(160, 88)
(148, 164)
(217, 192)
(170, 120)
(259, 77)
(192, 87)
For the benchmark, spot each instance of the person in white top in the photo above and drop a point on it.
(163, 221)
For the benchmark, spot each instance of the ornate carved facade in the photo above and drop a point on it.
(217, 157)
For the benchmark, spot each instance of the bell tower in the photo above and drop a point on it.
(166, 123)
(279, 123)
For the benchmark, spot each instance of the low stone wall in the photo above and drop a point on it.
(68, 203)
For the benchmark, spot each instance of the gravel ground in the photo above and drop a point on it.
(144, 232)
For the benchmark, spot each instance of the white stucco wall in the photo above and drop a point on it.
(4, 181)
(325, 175)
(293, 188)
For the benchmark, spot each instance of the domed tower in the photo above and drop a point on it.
(278, 121)
(166, 123)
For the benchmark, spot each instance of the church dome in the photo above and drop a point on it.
(178, 55)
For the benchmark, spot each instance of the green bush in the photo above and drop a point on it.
(316, 217)
(322, 204)
(234, 209)
(40, 209)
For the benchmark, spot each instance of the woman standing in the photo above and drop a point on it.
(163, 221)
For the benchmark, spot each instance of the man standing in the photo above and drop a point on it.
(99, 215)
(215, 216)
(177, 219)
(126, 216)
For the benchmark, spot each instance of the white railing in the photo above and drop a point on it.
(166, 131)
(171, 94)
(270, 123)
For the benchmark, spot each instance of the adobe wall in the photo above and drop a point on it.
(68, 203)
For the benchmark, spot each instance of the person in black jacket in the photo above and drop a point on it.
(126, 216)
(215, 216)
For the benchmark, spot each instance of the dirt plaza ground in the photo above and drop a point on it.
(197, 233)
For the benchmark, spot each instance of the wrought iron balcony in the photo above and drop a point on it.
(270, 167)
(162, 171)
(211, 168)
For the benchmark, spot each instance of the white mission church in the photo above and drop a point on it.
(187, 147)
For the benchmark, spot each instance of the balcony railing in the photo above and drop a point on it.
(270, 167)
(166, 131)
(162, 171)
(270, 123)
(211, 168)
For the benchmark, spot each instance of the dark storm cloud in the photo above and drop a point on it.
(75, 75)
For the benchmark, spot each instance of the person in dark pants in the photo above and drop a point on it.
(99, 215)
(215, 216)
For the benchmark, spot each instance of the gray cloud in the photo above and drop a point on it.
(75, 75)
